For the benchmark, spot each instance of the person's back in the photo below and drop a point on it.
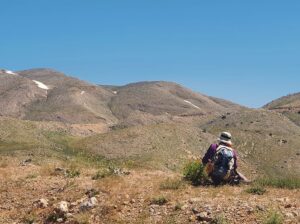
(221, 160)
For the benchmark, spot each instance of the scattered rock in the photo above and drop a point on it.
(63, 207)
(288, 206)
(69, 215)
(194, 200)
(195, 211)
(88, 204)
(203, 216)
(42, 203)
(91, 193)
(192, 218)
(26, 162)
(289, 215)
(260, 208)
(60, 220)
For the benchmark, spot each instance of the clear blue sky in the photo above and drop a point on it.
(244, 51)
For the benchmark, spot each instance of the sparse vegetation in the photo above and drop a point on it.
(220, 219)
(195, 172)
(32, 176)
(274, 218)
(82, 218)
(102, 173)
(72, 173)
(178, 206)
(288, 183)
(29, 219)
(160, 200)
(171, 184)
(256, 189)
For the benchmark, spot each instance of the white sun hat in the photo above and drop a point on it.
(225, 137)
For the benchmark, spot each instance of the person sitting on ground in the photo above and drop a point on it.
(221, 162)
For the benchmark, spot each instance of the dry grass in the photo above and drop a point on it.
(82, 218)
(171, 184)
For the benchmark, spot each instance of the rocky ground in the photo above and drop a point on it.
(55, 193)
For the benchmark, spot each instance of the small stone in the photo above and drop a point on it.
(60, 220)
(184, 207)
(203, 216)
(194, 200)
(91, 192)
(69, 215)
(288, 206)
(192, 218)
(89, 204)
(63, 207)
(195, 210)
(132, 201)
(289, 215)
(42, 203)
(260, 208)
(59, 169)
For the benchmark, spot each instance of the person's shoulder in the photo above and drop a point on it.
(214, 146)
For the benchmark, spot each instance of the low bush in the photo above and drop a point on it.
(161, 200)
(102, 173)
(72, 173)
(257, 189)
(274, 218)
(195, 172)
(220, 219)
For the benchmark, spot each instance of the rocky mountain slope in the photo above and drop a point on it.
(74, 152)
(287, 105)
(161, 122)
(48, 95)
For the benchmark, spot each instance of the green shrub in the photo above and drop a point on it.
(72, 173)
(171, 184)
(288, 183)
(178, 206)
(258, 190)
(274, 218)
(161, 200)
(29, 219)
(195, 172)
(220, 219)
(102, 173)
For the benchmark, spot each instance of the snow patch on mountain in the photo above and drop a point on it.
(193, 105)
(41, 85)
(10, 72)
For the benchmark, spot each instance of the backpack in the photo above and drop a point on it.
(223, 162)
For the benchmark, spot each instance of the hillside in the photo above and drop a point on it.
(147, 102)
(265, 139)
(74, 152)
(17, 93)
(49, 95)
(287, 105)
(69, 99)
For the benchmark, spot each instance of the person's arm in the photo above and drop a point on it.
(209, 154)
(235, 156)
